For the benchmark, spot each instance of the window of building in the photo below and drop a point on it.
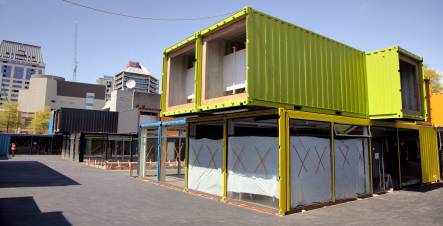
(17, 86)
(13, 100)
(40, 71)
(18, 72)
(89, 106)
(15, 90)
(89, 101)
(5, 89)
(6, 70)
(20, 56)
(29, 73)
(17, 81)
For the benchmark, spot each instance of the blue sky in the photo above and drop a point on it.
(106, 43)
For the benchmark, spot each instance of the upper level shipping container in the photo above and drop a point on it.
(395, 84)
(252, 60)
(255, 60)
(70, 120)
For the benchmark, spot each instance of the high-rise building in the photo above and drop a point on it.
(18, 61)
(106, 81)
(144, 80)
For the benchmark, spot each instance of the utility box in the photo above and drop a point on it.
(252, 60)
(395, 84)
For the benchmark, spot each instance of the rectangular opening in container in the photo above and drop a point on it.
(410, 86)
(205, 157)
(410, 159)
(94, 147)
(253, 160)
(175, 142)
(224, 61)
(150, 146)
(351, 154)
(385, 170)
(310, 162)
(181, 76)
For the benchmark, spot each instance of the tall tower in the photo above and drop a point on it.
(74, 74)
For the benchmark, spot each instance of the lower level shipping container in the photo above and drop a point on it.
(30, 144)
(162, 151)
(288, 160)
(99, 147)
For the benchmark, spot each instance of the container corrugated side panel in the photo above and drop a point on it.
(429, 154)
(79, 120)
(5, 141)
(384, 92)
(437, 109)
(293, 66)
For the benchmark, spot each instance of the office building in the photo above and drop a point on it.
(106, 81)
(18, 61)
(145, 81)
(55, 92)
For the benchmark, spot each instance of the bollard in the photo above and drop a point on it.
(130, 168)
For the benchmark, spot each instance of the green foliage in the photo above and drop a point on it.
(435, 78)
(40, 122)
(9, 117)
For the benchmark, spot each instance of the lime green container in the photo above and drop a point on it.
(254, 60)
(395, 84)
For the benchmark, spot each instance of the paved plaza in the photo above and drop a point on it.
(45, 190)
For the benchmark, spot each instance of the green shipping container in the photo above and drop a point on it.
(255, 60)
(395, 84)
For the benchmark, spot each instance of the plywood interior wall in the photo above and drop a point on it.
(224, 63)
(181, 71)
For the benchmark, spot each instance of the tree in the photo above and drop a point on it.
(9, 117)
(435, 77)
(40, 122)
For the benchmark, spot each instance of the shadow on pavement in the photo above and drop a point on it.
(31, 174)
(24, 211)
(425, 187)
